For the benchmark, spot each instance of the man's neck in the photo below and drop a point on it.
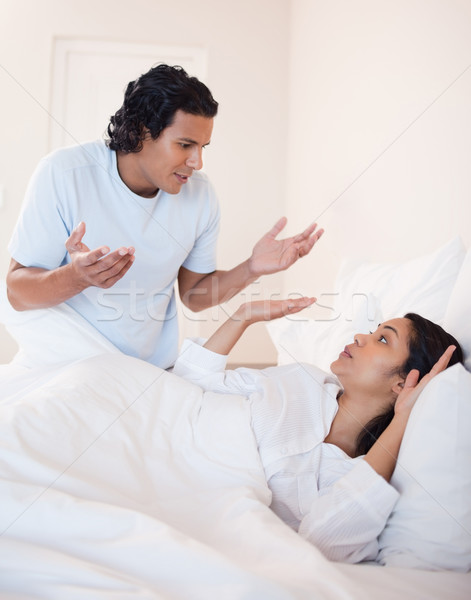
(128, 171)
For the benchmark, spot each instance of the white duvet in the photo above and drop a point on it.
(120, 480)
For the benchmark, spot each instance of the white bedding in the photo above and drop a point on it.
(120, 480)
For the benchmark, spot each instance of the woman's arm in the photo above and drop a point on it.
(349, 512)
(226, 337)
(383, 454)
(205, 366)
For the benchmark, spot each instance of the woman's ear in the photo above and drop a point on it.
(398, 385)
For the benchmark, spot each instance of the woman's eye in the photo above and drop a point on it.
(381, 338)
(185, 145)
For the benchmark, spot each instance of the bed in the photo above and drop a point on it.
(121, 480)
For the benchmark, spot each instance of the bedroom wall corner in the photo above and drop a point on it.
(379, 130)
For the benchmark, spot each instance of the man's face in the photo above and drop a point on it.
(167, 162)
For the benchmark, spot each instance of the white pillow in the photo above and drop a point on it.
(369, 293)
(430, 527)
(458, 313)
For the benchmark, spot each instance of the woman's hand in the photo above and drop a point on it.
(383, 454)
(411, 390)
(268, 310)
(223, 340)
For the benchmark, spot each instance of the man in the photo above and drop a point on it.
(140, 192)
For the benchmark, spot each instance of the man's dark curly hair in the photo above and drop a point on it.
(151, 102)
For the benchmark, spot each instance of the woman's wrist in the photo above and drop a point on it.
(246, 315)
(399, 421)
(226, 336)
(383, 454)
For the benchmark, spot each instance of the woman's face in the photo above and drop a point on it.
(368, 364)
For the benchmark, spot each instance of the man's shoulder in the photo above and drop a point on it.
(95, 153)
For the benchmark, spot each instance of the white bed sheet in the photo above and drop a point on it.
(391, 583)
(119, 480)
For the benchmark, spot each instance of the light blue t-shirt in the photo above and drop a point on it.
(82, 183)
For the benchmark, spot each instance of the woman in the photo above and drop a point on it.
(329, 443)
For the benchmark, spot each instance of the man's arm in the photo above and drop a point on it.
(199, 291)
(33, 287)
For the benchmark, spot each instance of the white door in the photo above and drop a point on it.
(89, 79)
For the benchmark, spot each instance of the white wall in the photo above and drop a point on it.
(380, 130)
(355, 112)
(247, 44)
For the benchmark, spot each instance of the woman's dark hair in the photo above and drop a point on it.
(151, 102)
(427, 342)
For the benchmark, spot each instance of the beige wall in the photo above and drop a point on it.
(355, 112)
(380, 129)
(247, 45)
